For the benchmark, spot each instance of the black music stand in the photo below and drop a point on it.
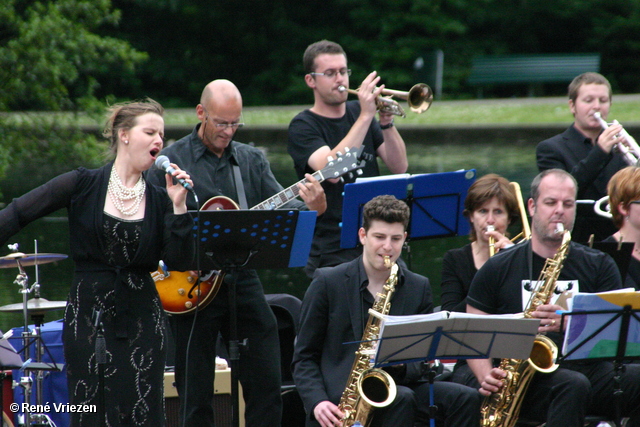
(450, 335)
(237, 240)
(604, 326)
(436, 201)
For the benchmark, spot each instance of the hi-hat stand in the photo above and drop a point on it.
(38, 307)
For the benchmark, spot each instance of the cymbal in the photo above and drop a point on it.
(35, 305)
(27, 260)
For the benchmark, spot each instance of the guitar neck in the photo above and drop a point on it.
(286, 195)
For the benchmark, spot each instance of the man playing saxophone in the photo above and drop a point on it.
(576, 389)
(335, 310)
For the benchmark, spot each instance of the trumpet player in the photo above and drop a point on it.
(332, 125)
(334, 313)
(587, 151)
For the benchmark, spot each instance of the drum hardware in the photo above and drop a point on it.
(38, 306)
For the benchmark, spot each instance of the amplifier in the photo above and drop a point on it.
(221, 400)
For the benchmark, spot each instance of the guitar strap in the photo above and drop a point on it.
(240, 187)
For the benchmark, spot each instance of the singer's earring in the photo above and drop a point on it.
(126, 141)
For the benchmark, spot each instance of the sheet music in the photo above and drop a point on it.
(582, 339)
(454, 335)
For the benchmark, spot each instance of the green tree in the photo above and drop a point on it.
(51, 57)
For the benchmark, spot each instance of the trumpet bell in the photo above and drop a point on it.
(420, 98)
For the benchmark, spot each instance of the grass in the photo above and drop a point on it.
(488, 111)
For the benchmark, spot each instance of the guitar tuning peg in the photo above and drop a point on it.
(330, 159)
(359, 171)
(339, 154)
(346, 150)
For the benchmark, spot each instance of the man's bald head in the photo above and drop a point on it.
(219, 92)
(220, 105)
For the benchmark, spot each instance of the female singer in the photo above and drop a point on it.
(120, 227)
(624, 202)
(490, 202)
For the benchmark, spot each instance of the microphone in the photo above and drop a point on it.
(163, 163)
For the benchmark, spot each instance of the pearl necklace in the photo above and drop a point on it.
(119, 193)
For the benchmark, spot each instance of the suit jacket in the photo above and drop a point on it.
(589, 165)
(331, 315)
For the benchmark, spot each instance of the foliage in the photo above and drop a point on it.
(52, 58)
(259, 45)
(45, 149)
(58, 54)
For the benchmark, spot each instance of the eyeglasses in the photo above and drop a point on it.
(332, 73)
(224, 126)
(634, 202)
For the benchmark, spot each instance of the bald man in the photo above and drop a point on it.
(209, 153)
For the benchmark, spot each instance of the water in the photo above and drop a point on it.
(513, 160)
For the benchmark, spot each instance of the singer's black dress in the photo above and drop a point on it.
(113, 258)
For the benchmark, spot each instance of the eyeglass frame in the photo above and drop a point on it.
(331, 73)
(223, 126)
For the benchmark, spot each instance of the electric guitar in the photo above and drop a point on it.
(178, 291)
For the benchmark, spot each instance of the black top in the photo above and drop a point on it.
(458, 270)
(307, 133)
(498, 286)
(632, 278)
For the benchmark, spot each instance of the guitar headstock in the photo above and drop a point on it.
(348, 163)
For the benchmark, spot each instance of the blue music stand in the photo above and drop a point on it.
(436, 201)
(234, 240)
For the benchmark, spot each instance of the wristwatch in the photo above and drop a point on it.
(387, 126)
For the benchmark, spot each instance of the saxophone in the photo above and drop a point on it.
(502, 408)
(369, 388)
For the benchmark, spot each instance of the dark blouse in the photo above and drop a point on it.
(458, 269)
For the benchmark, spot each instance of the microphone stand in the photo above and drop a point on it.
(101, 360)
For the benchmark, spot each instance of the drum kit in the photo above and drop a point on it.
(31, 308)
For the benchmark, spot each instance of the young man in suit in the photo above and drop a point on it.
(335, 311)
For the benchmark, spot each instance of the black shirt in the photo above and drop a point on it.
(307, 133)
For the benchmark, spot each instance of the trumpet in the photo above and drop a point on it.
(602, 208)
(419, 98)
(630, 153)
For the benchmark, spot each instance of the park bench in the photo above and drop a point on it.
(530, 69)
